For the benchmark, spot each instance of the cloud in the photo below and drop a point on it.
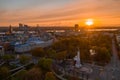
(41, 11)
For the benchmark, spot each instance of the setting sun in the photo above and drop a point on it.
(89, 22)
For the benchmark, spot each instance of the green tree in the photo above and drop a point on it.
(102, 55)
(20, 75)
(8, 57)
(33, 74)
(70, 45)
(50, 76)
(73, 78)
(61, 55)
(38, 52)
(45, 64)
(24, 59)
(50, 53)
(4, 73)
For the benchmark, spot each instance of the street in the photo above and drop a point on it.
(110, 71)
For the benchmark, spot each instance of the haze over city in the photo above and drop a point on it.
(59, 12)
(59, 39)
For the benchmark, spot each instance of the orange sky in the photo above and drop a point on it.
(59, 12)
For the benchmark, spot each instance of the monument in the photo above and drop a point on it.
(1, 51)
(77, 60)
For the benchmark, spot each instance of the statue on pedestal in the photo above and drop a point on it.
(77, 60)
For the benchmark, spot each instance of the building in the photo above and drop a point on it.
(10, 29)
(32, 43)
(21, 26)
(76, 27)
(1, 51)
(118, 39)
(24, 27)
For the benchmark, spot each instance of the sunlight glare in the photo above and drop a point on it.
(89, 22)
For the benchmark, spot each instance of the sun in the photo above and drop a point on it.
(89, 22)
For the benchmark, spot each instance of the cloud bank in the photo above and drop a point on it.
(59, 12)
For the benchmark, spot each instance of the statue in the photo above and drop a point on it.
(1, 51)
(77, 60)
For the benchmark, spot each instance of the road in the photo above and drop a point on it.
(112, 70)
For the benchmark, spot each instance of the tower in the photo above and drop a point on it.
(76, 27)
(10, 29)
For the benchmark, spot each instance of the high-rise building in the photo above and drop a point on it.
(26, 28)
(76, 27)
(10, 29)
(20, 25)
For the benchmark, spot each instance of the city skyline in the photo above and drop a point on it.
(59, 12)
